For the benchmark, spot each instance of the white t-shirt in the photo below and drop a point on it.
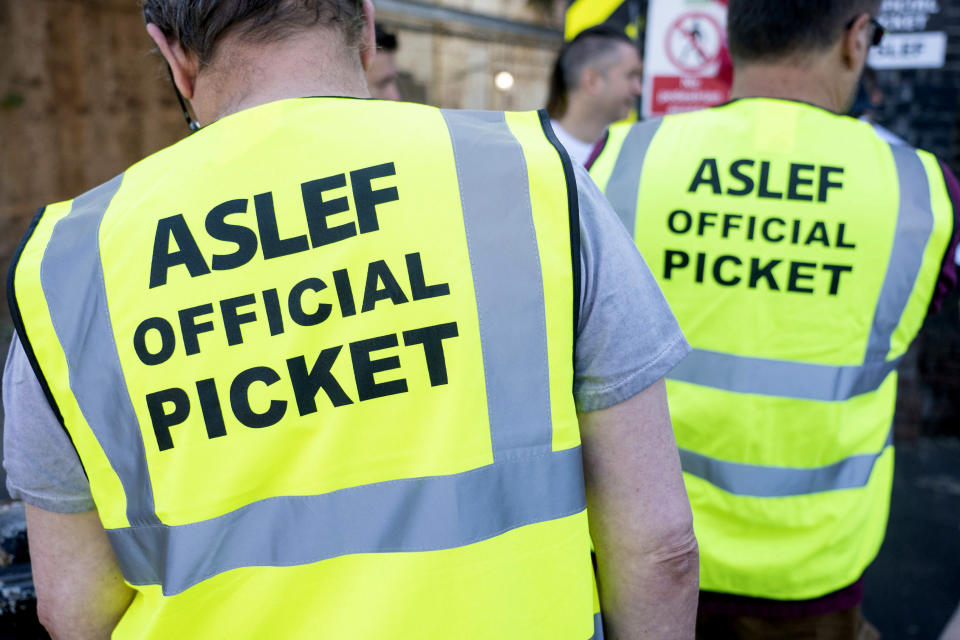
(578, 149)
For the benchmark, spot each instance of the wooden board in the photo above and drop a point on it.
(81, 98)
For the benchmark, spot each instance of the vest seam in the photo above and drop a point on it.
(17, 318)
(573, 207)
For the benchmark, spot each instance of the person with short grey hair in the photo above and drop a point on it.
(341, 367)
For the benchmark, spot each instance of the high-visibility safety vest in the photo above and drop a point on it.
(584, 14)
(316, 360)
(799, 253)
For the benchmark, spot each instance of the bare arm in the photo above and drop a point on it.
(80, 592)
(640, 519)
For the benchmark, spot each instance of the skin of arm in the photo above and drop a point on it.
(81, 594)
(640, 519)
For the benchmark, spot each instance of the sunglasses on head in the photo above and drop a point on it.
(878, 29)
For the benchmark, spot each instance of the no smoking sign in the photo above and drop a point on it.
(694, 42)
(684, 55)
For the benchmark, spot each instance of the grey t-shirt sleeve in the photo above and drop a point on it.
(43, 469)
(628, 337)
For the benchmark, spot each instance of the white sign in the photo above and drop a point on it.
(908, 15)
(925, 50)
(684, 51)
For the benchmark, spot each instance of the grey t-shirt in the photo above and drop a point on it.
(627, 340)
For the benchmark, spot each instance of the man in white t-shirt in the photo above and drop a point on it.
(596, 82)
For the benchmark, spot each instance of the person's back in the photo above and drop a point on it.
(318, 373)
(800, 253)
(797, 270)
(254, 321)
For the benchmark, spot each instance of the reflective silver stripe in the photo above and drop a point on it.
(597, 627)
(780, 378)
(827, 383)
(71, 276)
(527, 482)
(914, 227)
(507, 278)
(416, 514)
(776, 482)
(623, 188)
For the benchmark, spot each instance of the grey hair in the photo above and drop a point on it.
(199, 25)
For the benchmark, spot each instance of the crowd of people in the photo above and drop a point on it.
(334, 366)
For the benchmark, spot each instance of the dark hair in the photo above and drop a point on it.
(200, 24)
(763, 30)
(386, 41)
(589, 47)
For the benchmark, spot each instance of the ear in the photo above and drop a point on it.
(184, 64)
(856, 43)
(590, 80)
(368, 47)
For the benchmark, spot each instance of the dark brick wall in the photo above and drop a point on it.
(921, 106)
(929, 398)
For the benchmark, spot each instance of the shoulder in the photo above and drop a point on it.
(42, 225)
(621, 135)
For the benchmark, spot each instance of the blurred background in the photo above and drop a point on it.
(82, 97)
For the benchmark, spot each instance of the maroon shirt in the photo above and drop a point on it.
(948, 271)
(731, 605)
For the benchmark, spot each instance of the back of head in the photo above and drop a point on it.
(200, 25)
(596, 47)
(764, 31)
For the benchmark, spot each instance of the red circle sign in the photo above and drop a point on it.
(694, 42)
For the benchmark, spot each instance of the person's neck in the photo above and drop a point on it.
(583, 123)
(789, 82)
(295, 68)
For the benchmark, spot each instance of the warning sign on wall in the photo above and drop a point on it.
(686, 64)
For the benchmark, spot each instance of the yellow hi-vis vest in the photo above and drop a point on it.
(799, 253)
(316, 360)
(584, 14)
